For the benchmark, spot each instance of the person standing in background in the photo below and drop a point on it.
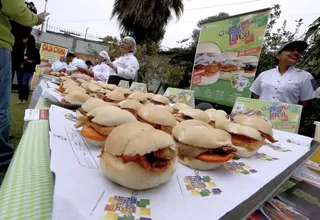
(59, 64)
(89, 65)
(286, 83)
(17, 11)
(28, 67)
(100, 71)
(20, 33)
(125, 67)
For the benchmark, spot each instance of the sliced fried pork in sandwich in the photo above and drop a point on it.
(160, 118)
(190, 113)
(113, 97)
(200, 146)
(159, 100)
(138, 96)
(130, 105)
(98, 126)
(216, 115)
(139, 157)
(246, 139)
(258, 123)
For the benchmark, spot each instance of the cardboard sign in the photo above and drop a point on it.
(180, 96)
(141, 87)
(284, 117)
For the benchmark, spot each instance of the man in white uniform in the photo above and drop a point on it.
(100, 72)
(75, 62)
(59, 64)
(286, 83)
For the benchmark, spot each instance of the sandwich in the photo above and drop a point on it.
(111, 87)
(216, 115)
(76, 96)
(159, 118)
(258, 123)
(85, 85)
(201, 146)
(138, 96)
(228, 68)
(96, 91)
(178, 106)
(250, 65)
(67, 84)
(159, 100)
(130, 105)
(74, 88)
(246, 139)
(190, 113)
(138, 157)
(101, 121)
(149, 95)
(89, 105)
(113, 97)
(125, 92)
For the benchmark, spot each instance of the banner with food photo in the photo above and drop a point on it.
(49, 53)
(227, 57)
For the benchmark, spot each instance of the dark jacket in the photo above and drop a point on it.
(34, 55)
(20, 32)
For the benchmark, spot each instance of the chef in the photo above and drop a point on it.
(75, 62)
(59, 64)
(101, 70)
(286, 83)
(125, 67)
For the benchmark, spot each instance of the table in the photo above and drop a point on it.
(27, 190)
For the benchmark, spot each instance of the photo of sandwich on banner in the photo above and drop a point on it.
(250, 65)
(207, 63)
(230, 68)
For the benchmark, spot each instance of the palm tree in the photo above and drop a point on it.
(145, 20)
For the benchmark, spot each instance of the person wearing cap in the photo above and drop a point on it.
(126, 66)
(100, 71)
(286, 83)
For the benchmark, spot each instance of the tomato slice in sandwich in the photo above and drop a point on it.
(92, 134)
(215, 158)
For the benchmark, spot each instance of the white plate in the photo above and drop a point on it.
(209, 80)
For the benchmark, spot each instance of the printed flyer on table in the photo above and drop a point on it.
(227, 57)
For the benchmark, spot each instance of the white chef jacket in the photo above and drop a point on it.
(58, 65)
(101, 72)
(293, 86)
(78, 63)
(127, 66)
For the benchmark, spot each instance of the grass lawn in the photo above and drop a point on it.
(17, 114)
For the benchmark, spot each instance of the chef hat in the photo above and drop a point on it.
(131, 42)
(104, 54)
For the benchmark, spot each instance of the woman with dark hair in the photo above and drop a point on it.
(27, 68)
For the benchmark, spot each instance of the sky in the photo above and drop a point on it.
(78, 15)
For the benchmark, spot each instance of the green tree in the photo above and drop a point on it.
(273, 39)
(196, 31)
(113, 46)
(145, 20)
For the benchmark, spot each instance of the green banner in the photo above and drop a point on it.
(227, 57)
